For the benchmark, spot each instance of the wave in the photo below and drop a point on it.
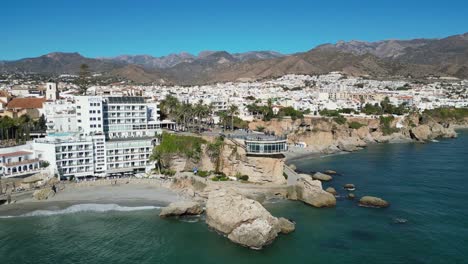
(79, 208)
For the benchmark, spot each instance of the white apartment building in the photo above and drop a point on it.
(113, 135)
(19, 161)
(61, 116)
(68, 155)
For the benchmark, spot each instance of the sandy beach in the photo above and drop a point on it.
(127, 192)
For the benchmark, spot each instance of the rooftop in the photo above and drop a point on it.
(15, 154)
(26, 103)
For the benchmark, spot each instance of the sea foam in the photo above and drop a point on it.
(78, 208)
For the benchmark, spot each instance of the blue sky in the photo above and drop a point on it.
(97, 28)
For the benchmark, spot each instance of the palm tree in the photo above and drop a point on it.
(210, 110)
(233, 110)
(222, 117)
(170, 105)
(83, 78)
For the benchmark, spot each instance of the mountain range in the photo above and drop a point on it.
(389, 58)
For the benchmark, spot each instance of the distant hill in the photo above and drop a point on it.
(388, 58)
(57, 63)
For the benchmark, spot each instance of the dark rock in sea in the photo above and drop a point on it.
(371, 201)
(350, 187)
(351, 196)
(321, 176)
(330, 172)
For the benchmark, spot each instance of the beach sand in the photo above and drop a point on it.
(134, 193)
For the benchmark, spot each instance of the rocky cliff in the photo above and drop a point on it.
(234, 161)
(326, 135)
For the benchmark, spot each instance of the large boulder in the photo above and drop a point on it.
(322, 176)
(242, 220)
(43, 194)
(331, 190)
(371, 201)
(181, 208)
(421, 133)
(286, 225)
(311, 192)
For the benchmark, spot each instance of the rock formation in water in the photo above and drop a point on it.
(181, 208)
(244, 221)
(322, 176)
(310, 191)
(371, 201)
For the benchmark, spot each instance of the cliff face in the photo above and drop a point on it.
(234, 161)
(327, 136)
(259, 169)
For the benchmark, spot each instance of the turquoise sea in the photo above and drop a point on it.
(426, 184)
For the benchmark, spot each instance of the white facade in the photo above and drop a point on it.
(89, 114)
(60, 116)
(18, 161)
(52, 92)
(111, 135)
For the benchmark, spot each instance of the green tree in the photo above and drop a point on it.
(233, 111)
(83, 79)
(223, 116)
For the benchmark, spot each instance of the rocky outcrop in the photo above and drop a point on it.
(421, 133)
(43, 194)
(286, 226)
(371, 201)
(322, 134)
(431, 130)
(234, 160)
(181, 208)
(311, 192)
(321, 176)
(331, 190)
(242, 220)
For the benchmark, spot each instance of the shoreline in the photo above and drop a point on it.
(309, 153)
(132, 193)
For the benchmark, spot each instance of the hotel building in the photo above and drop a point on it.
(113, 135)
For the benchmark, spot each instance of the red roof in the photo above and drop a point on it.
(26, 103)
(15, 154)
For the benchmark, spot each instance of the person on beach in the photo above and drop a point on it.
(54, 188)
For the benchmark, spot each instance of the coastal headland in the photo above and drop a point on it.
(223, 164)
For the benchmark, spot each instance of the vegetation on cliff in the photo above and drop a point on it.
(386, 125)
(213, 150)
(445, 114)
(173, 145)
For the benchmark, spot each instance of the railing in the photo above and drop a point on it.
(23, 162)
(255, 137)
